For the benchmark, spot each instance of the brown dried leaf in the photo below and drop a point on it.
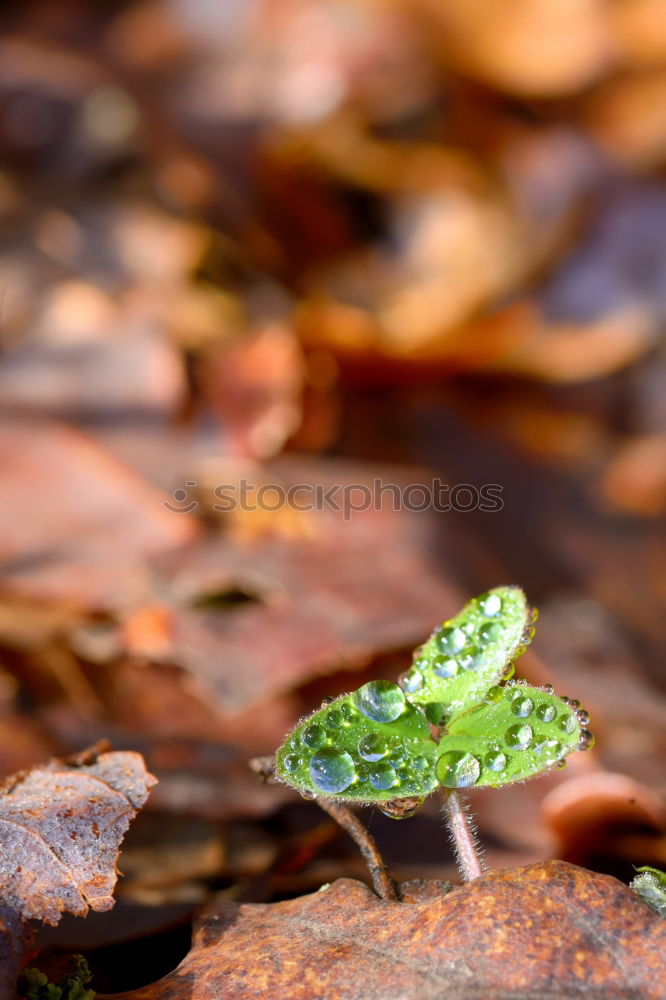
(60, 829)
(549, 930)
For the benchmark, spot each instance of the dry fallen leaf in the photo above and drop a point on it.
(60, 829)
(548, 930)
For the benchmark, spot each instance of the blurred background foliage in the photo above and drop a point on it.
(324, 241)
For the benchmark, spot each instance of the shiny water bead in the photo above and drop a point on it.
(495, 760)
(457, 769)
(451, 640)
(546, 711)
(444, 666)
(332, 770)
(583, 717)
(471, 658)
(490, 631)
(292, 762)
(494, 694)
(361, 772)
(585, 740)
(519, 736)
(327, 701)
(382, 776)
(347, 711)
(508, 671)
(411, 681)
(420, 763)
(522, 707)
(314, 737)
(373, 747)
(333, 719)
(542, 742)
(402, 808)
(404, 773)
(490, 605)
(380, 701)
(567, 723)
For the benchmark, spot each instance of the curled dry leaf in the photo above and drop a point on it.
(60, 829)
(548, 930)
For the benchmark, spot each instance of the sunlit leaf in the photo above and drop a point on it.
(469, 653)
(516, 733)
(369, 746)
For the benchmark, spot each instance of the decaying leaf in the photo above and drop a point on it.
(551, 931)
(60, 829)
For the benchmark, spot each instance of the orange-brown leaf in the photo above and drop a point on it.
(60, 829)
(548, 930)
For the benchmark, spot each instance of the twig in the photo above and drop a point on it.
(462, 835)
(381, 880)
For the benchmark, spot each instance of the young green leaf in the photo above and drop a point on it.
(369, 746)
(650, 885)
(469, 653)
(516, 733)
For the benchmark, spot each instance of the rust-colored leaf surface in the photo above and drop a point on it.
(548, 930)
(60, 829)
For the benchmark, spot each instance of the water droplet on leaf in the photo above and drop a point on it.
(545, 712)
(411, 681)
(496, 760)
(292, 762)
(490, 631)
(333, 719)
(381, 701)
(444, 666)
(313, 737)
(522, 707)
(567, 723)
(585, 740)
(372, 747)
(490, 605)
(519, 736)
(451, 640)
(382, 776)
(457, 769)
(494, 694)
(332, 770)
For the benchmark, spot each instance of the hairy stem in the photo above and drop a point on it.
(462, 835)
(381, 880)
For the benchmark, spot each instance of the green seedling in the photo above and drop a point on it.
(455, 720)
(650, 885)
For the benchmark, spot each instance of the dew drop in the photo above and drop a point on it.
(307, 794)
(457, 769)
(494, 694)
(420, 763)
(471, 658)
(559, 764)
(490, 605)
(490, 631)
(347, 712)
(333, 719)
(519, 736)
(444, 666)
(396, 759)
(313, 737)
(361, 772)
(548, 688)
(585, 740)
(508, 671)
(401, 808)
(404, 774)
(383, 776)
(522, 707)
(292, 762)
(545, 712)
(583, 717)
(567, 723)
(332, 770)
(326, 701)
(372, 747)
(496, 760)
(381, 701)
(411, 681)
(451, 640)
